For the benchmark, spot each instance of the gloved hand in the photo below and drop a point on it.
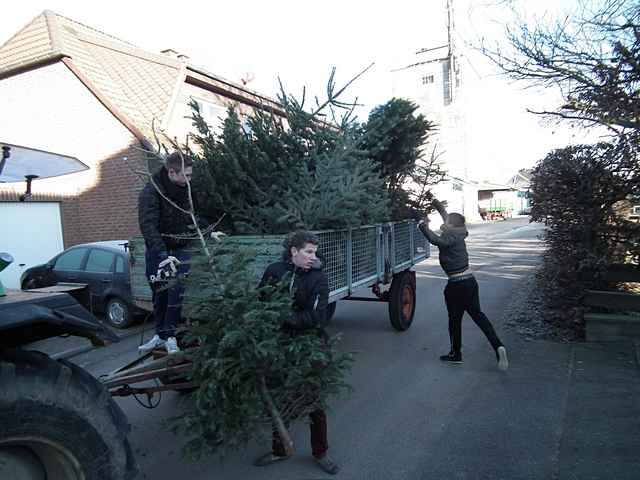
(437, 204)
(167, 268)
(217, 236)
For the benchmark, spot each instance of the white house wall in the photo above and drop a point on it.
(50, 109)
(461, 198)
(180, 123)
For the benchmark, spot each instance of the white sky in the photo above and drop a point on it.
(300, 42)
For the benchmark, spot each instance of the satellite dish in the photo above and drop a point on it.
(18, 164)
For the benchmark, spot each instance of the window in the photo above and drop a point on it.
(635, 211)
(99, 261)
(246, 126)
(213, 114)
(427, 79)
(71, 260)
(446, 82)
(119, 264)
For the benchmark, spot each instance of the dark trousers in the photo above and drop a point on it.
(318, 427)
(461, 296)
(167, 295)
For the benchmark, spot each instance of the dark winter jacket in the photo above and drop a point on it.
(310, 292)
(158, 218)
(451, 245)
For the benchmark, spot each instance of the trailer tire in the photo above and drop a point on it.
(402, 300)
(61, 416)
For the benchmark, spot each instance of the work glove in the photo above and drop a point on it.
(217, 236)
(167, 268)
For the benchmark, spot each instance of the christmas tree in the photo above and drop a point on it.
(289, 169)
(253, 376)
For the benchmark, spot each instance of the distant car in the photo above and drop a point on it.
(104, 266)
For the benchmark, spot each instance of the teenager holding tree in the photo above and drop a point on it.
(309, 288)
(162, 225)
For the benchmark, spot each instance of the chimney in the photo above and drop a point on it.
(170, 52)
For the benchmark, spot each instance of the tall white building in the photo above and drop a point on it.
(434, 78)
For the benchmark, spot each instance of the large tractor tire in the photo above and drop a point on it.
(57, 422)
(402, 300)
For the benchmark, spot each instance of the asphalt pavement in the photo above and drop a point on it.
(561, 411)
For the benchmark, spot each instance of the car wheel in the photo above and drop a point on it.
(29, 284)
(118, 313)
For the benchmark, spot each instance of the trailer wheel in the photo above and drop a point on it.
(58, 422)
(402, 300)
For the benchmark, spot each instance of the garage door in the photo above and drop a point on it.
(31, 233)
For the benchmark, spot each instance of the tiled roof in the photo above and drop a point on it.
(522, 178)
(137, 83)
(30, 45)
(139, 86)
(494, 186)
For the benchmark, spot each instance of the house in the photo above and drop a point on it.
(521, 181)
(71, 89)
(497, 201)
(436, 78)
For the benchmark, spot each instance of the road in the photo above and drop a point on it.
(409, 416)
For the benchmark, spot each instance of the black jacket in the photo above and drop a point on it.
(451, 244)
(310, 291)
(158, 218)
(452, 247)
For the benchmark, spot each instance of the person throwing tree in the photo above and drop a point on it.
(461, 293)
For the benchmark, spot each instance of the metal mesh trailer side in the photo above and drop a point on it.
(352, 258)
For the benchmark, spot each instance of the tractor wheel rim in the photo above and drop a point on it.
(40, 458)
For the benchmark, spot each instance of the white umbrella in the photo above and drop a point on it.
(19, 163)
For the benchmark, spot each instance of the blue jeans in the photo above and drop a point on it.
(167, 295)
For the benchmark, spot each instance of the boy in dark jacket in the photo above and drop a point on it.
(309, 288)
(162, 224)
(461, 293)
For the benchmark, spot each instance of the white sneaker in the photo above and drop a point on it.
(155, 342)
(503, 361)
(171, 345)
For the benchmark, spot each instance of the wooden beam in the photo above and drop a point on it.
(623, 273)
(612, 300)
